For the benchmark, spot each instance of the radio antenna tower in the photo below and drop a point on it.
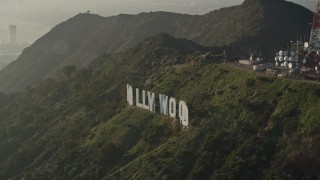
(314, 43)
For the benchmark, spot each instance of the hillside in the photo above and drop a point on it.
(255, 24)
(243, 125)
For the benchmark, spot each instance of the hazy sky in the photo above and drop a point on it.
(36, 17)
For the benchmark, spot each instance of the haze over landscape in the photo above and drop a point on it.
(34, 18)
(217, 90)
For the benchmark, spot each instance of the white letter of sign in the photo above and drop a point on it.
(137, 98)
(172, 108)
(129, 94)
(183, 113)
(163, 104)
(151, 99)
(145, 106)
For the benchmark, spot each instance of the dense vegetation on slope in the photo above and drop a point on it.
(256, 24)
(243, 125)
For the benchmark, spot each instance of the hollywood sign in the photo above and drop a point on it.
(167, 106)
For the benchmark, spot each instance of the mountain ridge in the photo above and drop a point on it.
(254, 24)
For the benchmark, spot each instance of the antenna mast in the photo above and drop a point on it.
(314, 43)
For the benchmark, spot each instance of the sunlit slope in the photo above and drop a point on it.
(242, 124)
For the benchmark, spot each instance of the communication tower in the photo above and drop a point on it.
(314, 43)
(311, 62)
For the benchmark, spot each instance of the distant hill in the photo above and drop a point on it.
(265, 25)
(242, 124)
(8, 58)
(2, 65)
(47, 53)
